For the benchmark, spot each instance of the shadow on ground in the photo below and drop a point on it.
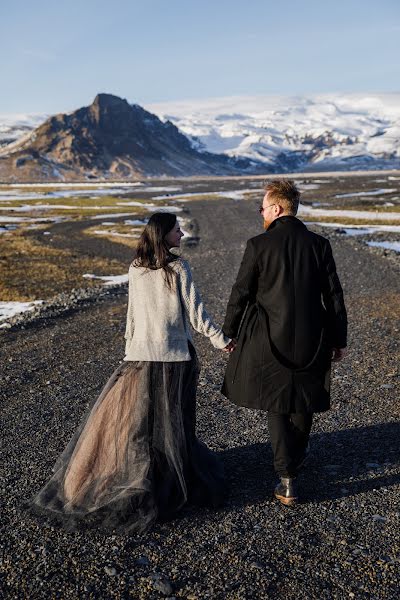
(342, 463)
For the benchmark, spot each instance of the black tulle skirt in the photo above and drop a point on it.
(135, 457)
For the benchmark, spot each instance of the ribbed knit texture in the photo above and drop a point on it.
(157, 326)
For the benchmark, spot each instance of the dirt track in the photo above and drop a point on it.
(342, 540)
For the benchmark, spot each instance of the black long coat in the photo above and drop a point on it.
(287, 310)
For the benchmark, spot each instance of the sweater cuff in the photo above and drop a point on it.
(219, 340)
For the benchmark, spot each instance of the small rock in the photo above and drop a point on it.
(143, 561)
(161, 584)
(332, 519)
(372, 465)
(378, 518)
(387, 386)
(111, 571)
(385, 559)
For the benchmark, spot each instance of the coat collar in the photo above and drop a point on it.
(286, 220)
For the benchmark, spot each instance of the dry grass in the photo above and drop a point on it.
(116, 232)
(81, 202)
(32, 271)
(349, 221)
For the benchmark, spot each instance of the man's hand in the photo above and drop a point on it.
(338, 354)
(230, 347)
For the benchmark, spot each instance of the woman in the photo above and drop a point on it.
(136, 457)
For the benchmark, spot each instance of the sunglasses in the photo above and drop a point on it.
(261, 208)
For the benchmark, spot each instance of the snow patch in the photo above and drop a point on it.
(348, 214)
(355, 229)
(150, 207)
(387, 245)
(7, 219)
(108, 279)
(233, 194)
(10, 309)
(371, 193)
(115, 233)
(137, 222)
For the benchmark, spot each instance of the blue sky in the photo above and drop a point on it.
(57, 56)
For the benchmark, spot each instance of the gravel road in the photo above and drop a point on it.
(342, 541)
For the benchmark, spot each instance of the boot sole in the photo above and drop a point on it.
(287, 501)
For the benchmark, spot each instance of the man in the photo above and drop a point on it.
(286, 308)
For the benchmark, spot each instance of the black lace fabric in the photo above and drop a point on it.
(135, 456)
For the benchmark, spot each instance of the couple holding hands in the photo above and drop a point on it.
(135, 457)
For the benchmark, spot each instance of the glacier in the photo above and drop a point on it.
(321, 132)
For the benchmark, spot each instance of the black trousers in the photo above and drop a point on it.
(289, 438)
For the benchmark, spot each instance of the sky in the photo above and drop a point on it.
(56, 56)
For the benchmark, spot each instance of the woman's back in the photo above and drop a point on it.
(156, 319)
(157, 325)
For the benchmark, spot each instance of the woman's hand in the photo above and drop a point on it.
(230, 347)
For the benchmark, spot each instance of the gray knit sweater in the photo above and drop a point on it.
(157, 321)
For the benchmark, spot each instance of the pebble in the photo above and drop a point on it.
(161, 584)
(257, 565)
(142, 561)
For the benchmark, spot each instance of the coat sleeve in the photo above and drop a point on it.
(195, 310)
(130, 321)
(244, 289)
(332, 295)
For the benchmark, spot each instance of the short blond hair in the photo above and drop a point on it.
(285, 193)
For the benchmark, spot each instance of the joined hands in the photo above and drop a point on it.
(230, 347)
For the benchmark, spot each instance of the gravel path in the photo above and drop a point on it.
(341, 542)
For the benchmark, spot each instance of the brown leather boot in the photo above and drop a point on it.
(286, 491)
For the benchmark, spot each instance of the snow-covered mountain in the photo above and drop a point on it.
(14, 126)
(324, 132)
(290, 133)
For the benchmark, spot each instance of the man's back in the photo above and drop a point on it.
(290, 273)
(294, 277)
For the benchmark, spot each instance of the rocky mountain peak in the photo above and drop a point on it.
(106, 111)
(107, 101)
(110, 138)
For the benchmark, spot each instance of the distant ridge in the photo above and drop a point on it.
(111, 139)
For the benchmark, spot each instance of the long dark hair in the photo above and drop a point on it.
(152, 252)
